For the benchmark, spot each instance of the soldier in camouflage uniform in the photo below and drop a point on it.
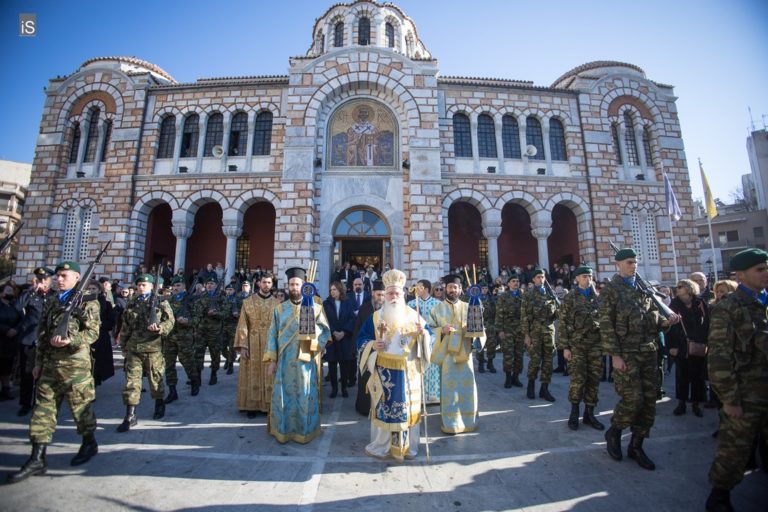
(209, 329)
(629, 325)
(179, 344)
(509, 331)
(489, 319)
(538, 319)
(231, 315)
(738, 371)
(142, 342)
(578, 335)
(63, 371)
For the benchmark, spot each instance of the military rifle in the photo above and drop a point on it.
(154, 298)
(551, 292)
(648, 289)
(8, 239)
(217, 291)
(77, 297)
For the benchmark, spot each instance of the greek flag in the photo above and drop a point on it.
(673, 208)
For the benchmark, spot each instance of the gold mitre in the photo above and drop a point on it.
(393, 278)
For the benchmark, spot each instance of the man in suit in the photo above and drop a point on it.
(358, 296)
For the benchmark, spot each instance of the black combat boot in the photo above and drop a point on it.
(35, 465)
(481, 362)
(635, 451)
(719, 500)
(516, 381)
(87, 450)
(159, 409)
(613, 438)
(491, 368)
(544, 392)
(195, 387)
(508, 381)
(213, 380)
(573, 419)
(531, 393)
(231, 367)
(590, 419)
(172, 395)
(130, 419)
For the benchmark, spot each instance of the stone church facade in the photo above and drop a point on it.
(362, 153)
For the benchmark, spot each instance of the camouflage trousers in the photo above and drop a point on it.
(179, 346)
(212, 340)
(72, 381)
(512, 349)
(541, 351)
(734, 444)
(490, 348)
(585, 369)
(636, 386)
(228, 343)
(138, 364)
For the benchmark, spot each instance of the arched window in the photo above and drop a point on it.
(77, 230)
(389, 30)
(647, 146)
(629, 140)
(462, 137)
(214, 133)
(557, 140)
(338, 34)
(238, 135)
(190, 136)
(262, 134)
(533, 137)
(107, 136)
(361, 223)
(364, 32)
(486, 136)
(93, 136)
(75, 144)
(167, 137)
(616, 145)
(510, 137)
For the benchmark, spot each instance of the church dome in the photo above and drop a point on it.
(366, 23)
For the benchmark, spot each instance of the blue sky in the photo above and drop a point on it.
(715, 53)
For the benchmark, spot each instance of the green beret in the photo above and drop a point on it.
(43, 272)
(211, 280)
(145, 278)
(748, 258)
(584, 269)
(538, 271)
(177, 279)
(512, 276)
(230, 286)
(624, 254)
(68, 265)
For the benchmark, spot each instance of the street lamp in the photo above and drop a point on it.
(709, 268)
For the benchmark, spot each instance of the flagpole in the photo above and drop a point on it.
(671, 231)
(708, 199)
(712, 245)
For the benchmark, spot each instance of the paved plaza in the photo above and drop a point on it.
(205, 455)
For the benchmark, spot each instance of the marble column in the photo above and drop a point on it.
(182, 234)
(232, 232)
(492, 235)
(541, 234)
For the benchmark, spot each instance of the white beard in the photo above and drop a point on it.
(394, 314)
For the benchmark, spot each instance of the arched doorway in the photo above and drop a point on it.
(160, 243)
(563, 243)
(256, 245)
(517, 246)
(361, 237)
(207, 243)
(466, 243)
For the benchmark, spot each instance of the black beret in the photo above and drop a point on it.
(43, 272)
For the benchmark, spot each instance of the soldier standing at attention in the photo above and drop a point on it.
(489, 320)
(63, 370)
(509, 330)
(208, 313)
(179, 344)
(538, 319)
(231, 314)
(629, 325)
(738, 371)
(579, 337)
(142, 342)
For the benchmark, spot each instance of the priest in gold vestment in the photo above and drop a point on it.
(254, 385)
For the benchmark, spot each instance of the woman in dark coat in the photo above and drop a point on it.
(101, 351)
(341, 347)
(9, 324)
(690, 371)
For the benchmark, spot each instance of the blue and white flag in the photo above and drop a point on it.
(673, 208)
